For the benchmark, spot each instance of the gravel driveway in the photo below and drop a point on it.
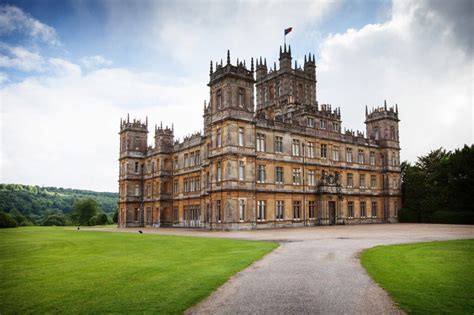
(315, 270)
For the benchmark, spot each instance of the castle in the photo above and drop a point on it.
(273, 158)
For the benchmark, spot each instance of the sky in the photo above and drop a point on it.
(70, 69)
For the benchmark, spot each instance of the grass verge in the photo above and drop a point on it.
(58, 270)
(434, 277)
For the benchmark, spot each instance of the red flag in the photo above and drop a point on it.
(289, 29)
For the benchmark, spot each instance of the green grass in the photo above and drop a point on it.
(424, 278)
(58, 270)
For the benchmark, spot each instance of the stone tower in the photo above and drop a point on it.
(231, 133)
(382, 127)
(133, 149)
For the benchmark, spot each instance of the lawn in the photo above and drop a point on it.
(435, 277)
(58, 270)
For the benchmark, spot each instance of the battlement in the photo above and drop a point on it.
(188, 141)
(327, 111)
(382, 112)
(238, 70)
(166, 131)
(134, 125)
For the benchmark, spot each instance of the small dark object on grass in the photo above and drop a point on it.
(140, 231)
(78, 228)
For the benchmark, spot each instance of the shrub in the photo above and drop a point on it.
(101, 219)
(6, 220)
(27, 223)
(54, 220)
(93, 220)
(452, 217)
(407, 215)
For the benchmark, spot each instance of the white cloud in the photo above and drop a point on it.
(91, 62)
(61, 129)
(20, 58)
(63, 67)
(13, 19)
(413, 60)
(3, 78)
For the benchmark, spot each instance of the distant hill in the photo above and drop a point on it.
(36, 201)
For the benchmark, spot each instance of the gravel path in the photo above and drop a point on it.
(315, 270)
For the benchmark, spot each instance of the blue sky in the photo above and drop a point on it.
(70, 69)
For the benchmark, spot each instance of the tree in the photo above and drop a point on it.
(6, 220)
(19, 218)
(115, 218)
(438, 187)
(84, 210)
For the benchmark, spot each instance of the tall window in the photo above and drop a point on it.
(176, 166)
(241, 170)
(349, 155)
(175, 187)
(296, 176)
(311, 178)
(372, 158)
(373, 181)
(324, 151)
(219, 138)
(280, 208)
(219, 171)
(175, 215)
(260, 142)
(136, 167)
(197, 158)
(219, 99)
(261, 174)
(296, 209)
(186, 160)
(310, 121)
(191, 159)
(323, 124)
(261, 210)
(137, 190)
(241, 137)
(295, 148)
(335, 153)
(241, 97)
(218, 210)
(361, 157)
(312, 209)
(362, 209)
(310, 149)
(241, 210)
(278, 144)
(374, 209)
(279, 175)
(362, 180)
(350, 182)
(350, 209)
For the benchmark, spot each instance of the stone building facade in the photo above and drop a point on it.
(270, 156)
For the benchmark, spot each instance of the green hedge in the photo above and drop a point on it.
(445, 217)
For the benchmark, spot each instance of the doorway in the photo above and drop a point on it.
(332, 212)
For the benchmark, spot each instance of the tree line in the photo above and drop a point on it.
(23, 205)
(439, 187)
